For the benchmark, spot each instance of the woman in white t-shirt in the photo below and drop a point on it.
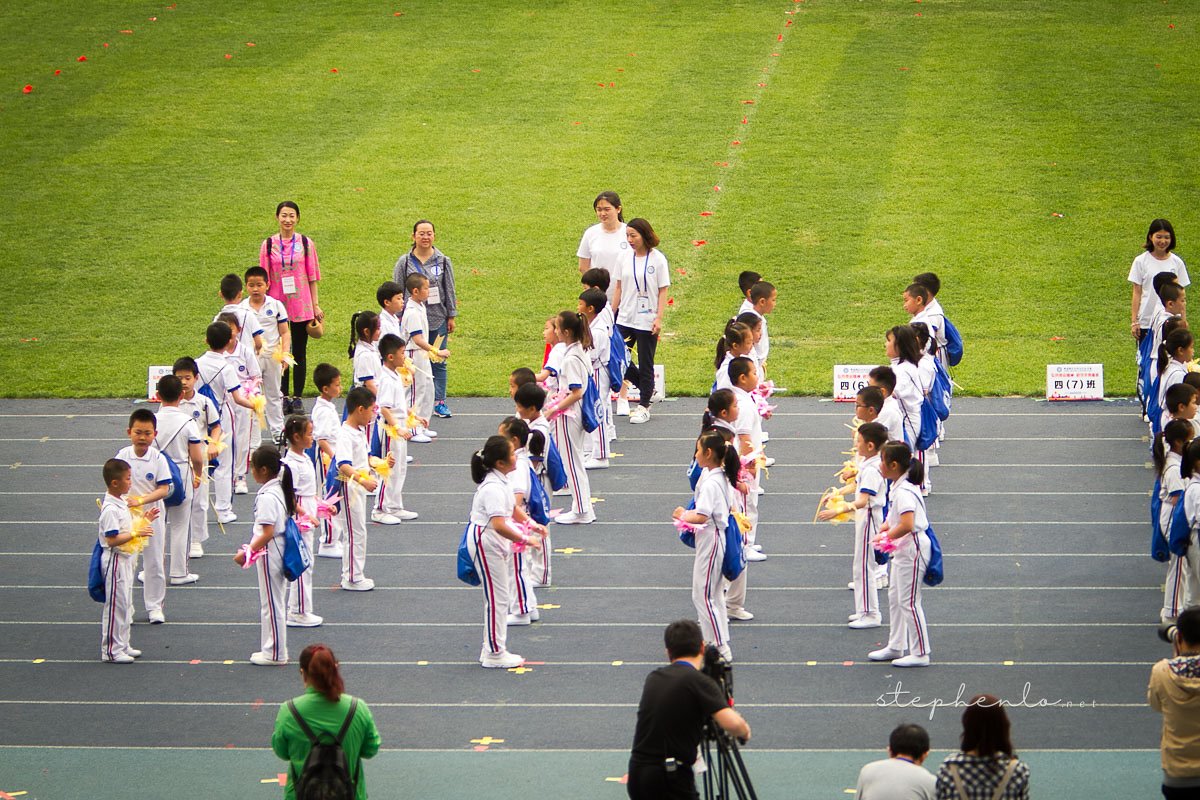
(1160, 242)
(640, 298)
(604, 243)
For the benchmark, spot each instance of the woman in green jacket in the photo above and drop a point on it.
(325, 709)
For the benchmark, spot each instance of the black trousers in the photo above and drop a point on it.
(300, 353)
(642, 375)
(653, 782)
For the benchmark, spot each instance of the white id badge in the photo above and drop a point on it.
(289, 284)
(643, 304)
(435, 294)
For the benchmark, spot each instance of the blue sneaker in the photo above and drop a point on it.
(442, 410)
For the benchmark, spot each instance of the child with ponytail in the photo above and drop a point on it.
(1171, 451)
(298, 436)
(906, 525)
(523, 609)
(490, 532)
(736, 342)
(568, 431)
(274, 503)
(713, 497)
(1173, 356)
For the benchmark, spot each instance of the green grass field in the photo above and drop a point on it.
(885, 138)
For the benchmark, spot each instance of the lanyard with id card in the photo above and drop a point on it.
(287, 268)
(434, 276)
(644, 305)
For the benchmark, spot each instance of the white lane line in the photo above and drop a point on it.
(657, 522)
(683, 467)
(464, 588)
(773, 493)
(47, 439)
(500, 753)
(543, 625)
(216, 662)
(682, 554)
(1089, 705)
(1121, 413)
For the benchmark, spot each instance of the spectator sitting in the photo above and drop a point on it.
(326, 711)
(900, 776)
(986, 768)
(1175, 692)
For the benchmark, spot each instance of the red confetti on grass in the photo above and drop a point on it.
(154, 19)
(334, 71)
(57, 72)
(720, 164)
(1171, 26)
(27, 89)
(82, 58)
(735, 142)
(398, 14)
(918, 14)
(1058, 338)
(126, 32)
(577, 122)
(788, 24)
(670, 301)
(682, 271)
(904, 69)
(632, 55)
(475, 70)
(359, 189)
(780, 39)
(229, 55)
(745, 120)
(1056, 214)
(611, 84)
(747, 102)
(251, 44)
(620, 69)
(774, 55)
(104, 44)
(762, 85)
(706, 213)
(699, 242)
(601, 85)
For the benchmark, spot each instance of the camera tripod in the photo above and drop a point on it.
(726, 769)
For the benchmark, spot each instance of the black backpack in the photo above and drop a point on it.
(325, 776)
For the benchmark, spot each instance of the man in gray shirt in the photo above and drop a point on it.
(901, 776)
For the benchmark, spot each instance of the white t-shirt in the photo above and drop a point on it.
(605, 251)
(896, 779)
(574, 374)
(272, 314)
(1191, 503)
(177, 429)
(304, 475)
(493, 498)
(518, 479)
(270, 509)
(871, 483)
(350, 447)
(247, 321)
(905, 497)
(909, 394)
(748, 422)
(391, 393)
(245, 362)
(1142, 272)
(366, 363)
(389, 323)
(1174, 373)
(219, 375)
(640, 283)
(601, 329)
(891, 418)
(415, 322)
(936, 324)
(554, 365)
(712, 497)
(1172, 483)
(202, 410)
(325, 420)
(926, 371)
(763, 348)
(115, 519)
(148, 472)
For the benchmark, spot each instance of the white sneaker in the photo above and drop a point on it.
(429, 433)
(754, 555)
(518, 620)
(757, 547)
(132, 652)
(881, 581)
(408, 459)
(119, 658)
(157, 617)
(364, 585)
(191, 577)
(883, 655)
(622, 407)
(571, 518)
(303, 620)
(639, 415)
(420, 438)
(141, 576)
(226, 517)
(505, 660)
(866, 621)
(853, 617)
(739, 613)
(384, 519)
(850, 586)
(931, 458)
(596, 463)
(196, 550)
(911, 661)
(405, 515)
(766, 437)
(240, 487)
(769, 462)
(656, 397)
(726, 653)
(760, 490)
(563, 492)
(262, 661)
(330, 551)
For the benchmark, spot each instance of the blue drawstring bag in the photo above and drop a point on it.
(929, 422)
(539, 503)
(1158, 542)
(618, 358)
(1180, 531)
(934, 572)
(297, 558)
(466, 565)
(589, 406)
(554, 466)
(735, 555)
(96, 573)
(954, 343)
(942, 394)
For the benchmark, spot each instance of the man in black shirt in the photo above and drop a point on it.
(676, 701)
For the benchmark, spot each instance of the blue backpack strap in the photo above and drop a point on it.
(465, 564)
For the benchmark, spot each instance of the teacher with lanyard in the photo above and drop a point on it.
(441, 305)
(290, 260)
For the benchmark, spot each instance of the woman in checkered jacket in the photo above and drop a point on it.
(986, 767)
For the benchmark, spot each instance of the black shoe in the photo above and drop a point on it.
(297, 405)
(287, 406)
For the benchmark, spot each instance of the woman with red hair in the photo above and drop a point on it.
(324, 714)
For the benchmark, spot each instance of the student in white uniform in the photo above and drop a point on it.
(489, 533)
(364, 354)
(115, 531)
(905, 354)
(598, 278)
(889, 416)
(747, 429)
(529, 398)
(1189, 584)
(177, 438)
(641, 299)
(1160, 242)
(567, 427)
(393, 410)
(271, 315)
(326, 423)
(208, 420)
(1169, 447)
(249, 331)
(604, 245)
(736, 342)
(870, 496)
(1173, 357)
(273, 505)
(760, 301)
(906, 525)
(713, 496)
(298, 437)
(917, 301)
(932, 283)
(350, 460)
(151, 483)
(245, 363)
(219, 379)
(523, 608)
(593, 304)
(414, 329)
(927, 373)
(390, 296)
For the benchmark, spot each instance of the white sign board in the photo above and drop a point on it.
(152, 376)
(1074, 381)
(848, 379)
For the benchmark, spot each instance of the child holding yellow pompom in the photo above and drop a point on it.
(393, 433)
(116, 530)
(870, 495)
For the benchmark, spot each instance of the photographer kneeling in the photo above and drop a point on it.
(676, 702)
(1175, 692)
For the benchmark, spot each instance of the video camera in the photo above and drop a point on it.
(1168, 632)
(720, 670)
